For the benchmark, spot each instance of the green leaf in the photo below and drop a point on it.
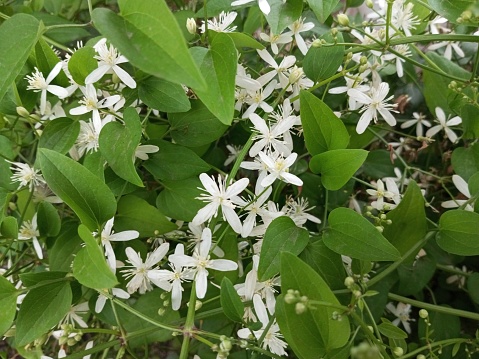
(325, 262)
(465, 161)
(9, 227)
(4, 200)
(415, 276)
(60, 135)
(282, 235)
(283, 13)
(337, 166)
(318, 333)
(135, 213)
(163, 95)
(452, 9)
(230, 301)
(242, 40)
(149, 36)
(409, 224)
(80, 189)
(174, 162)
(469, 123)
(8, 304)
(322, 8)
(41, 309)
(178, 199)
(378, 164)
(128, 136)
(436, 86)
(82, 63)
(89, 266)
(472, 288)
(30, 279)
(459, 233)
(19, 34)
(353, 235)
(323, 62)
(95, 163)
(48, 219)
(323, 130)
(218, 65)
(391, 331)
(197, 127)
(66, 245)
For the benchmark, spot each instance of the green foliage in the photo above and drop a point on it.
(337, 166)
(281, 236)
(91, 199)
(163, 95)
(230, 301)
(8, 304)
(282, 14)
(323, 8)
(353, 235)
(82, 63)
(323, 131)
(323, 62)
(41, 309)
(60, 135)
(459, 232)
(26, 30)
(178, 199)
(89, 265)
(452, 9)
(48, 220)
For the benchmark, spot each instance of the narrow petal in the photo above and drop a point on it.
(461, 185)
(237, 187)
(264, 6)
(209, 184)
(205, 244)
(206, 213)
(232, 218)
(157, 255)
(100, 303)
(57, 91)
(387, 116)
(125, 77)
(176, 294)
(363, 123)
(201, 283)
(260, 310)
(97, 74)
(124, 236)
(37, 247)
(223, 265)
(55, 71)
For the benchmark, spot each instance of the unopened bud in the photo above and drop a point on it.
(115, 79)
(421, 356)
(191, 25)
(348, 282)
(398, 351)
(343, 19)
(290, 298)
(380, 229)
(389, 221)
(316, 43)
(362, 68)
(226, 345)
(334, 32)
(357, 293)
(369, 4)
(161, 311)
(363, 60)
(22, 112)
(295, 75)
(300, 308)
(423, 313)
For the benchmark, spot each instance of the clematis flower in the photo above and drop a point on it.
(297, 28)
(373, 103)
(138, 271)
(101, 301)
(278, 168)
(449, 47)
(222, 24)
(462, 187)
(220, 195)
(279, 70)
(267, 137)
(253, 208)
(403, 17)
(420, 121)
(200, 262)
(401, 311)
(444, 124)
(272, 340)
(26, 175)
(274, 40)
(38, 83)
(29, 230)
(108, 236)
(108, 61)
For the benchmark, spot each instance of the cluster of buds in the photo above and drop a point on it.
(380, 220)
(223, 349)
(301, 302)
(69, 335)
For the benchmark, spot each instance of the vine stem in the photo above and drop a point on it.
(189, 323)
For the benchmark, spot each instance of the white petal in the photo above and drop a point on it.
(176, 294)
(201, 280)
(100, 303)
(363, 123)
(387, 116)
(260, 310)
(125, 77)
(124, 236)
(97, 74)
(223, 265)
(461, 185)
(209, 184)
(237, 187)
(205, 244)
(134, 257)
(157, 255)
(206, 213)
(264, 6)
(232, 218)
(291, 178)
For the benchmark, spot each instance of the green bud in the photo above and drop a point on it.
(369, 4)
(421, 356)
(343, 19)
(398, 351)
(191, 25)
(22, 112)
(300, 308)
(423, 313)
(348, 282)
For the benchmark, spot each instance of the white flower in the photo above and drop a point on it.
(278, 166)
(462, 187)
(403, 18)
(419, 120)
(380, 193)
(37, 83)
(267, 137)
(109, 58)
(234, 151)
(297, 211)
(225, 19)
(108, 235)
(116, 292)
(274, 40)
(373, 103)
(139, 270)
(26, 175)
(449, 46)
(253, 208)
(256, 165)
(401, 311)
(90, 103)
(257, 98)
(220, 195)
(272, 340)
(74, 313)
(279, 70)
(402, 49)
(171, 280)
(263, 5)
(297, 28)
(43, 193)
(29, 230)
(201, 261)
(444, 124)
(458, 279)
(351, 83)
(52, 113)
(87, 140)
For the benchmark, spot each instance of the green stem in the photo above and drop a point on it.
(240, 159)
(416, 247)
(429, 346)
(388, 20)
(434, 308)
(189, 324)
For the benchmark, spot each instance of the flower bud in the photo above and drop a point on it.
(300, 308)
(398, 351)
(290, 298)
(22, 112)
(343, 19)
(348, 282)
(161, 311)
(369, 4)
(226, 345)
(295, 75)
(380, 229)
(423, 313)
(316, 43)
(191, 25)
(421, 356)
(357, 293)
